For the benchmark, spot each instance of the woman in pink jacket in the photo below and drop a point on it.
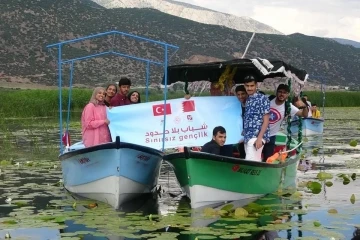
(94, 122)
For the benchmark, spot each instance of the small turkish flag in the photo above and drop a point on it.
(158, 110)
(188, 106)
(66, 138)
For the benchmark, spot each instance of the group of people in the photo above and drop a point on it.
(262, 119)
(314, 112)
(94, 122)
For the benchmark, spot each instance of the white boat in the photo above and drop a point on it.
(310, 126)
(114, 172)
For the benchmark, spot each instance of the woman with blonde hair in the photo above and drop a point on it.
(94, 122)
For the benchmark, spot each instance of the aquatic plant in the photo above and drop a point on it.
(44, 103)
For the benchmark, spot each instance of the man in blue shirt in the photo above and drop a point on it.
(256, 120)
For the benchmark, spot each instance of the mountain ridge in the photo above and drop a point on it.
(27, 27)
(194, 13)
(347, 42)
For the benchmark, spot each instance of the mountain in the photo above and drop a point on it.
(27, 26)
(194, 13)
(348, 42)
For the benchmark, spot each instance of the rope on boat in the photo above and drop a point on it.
(293, 148)
(281, 156)
(288, 115)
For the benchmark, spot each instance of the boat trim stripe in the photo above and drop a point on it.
(217, 158)
(112, 145)
(309, 118)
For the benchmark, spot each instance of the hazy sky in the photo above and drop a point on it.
(323, 18)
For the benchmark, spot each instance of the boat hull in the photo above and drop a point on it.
(310, 126)
(210, 179)
(113, 173)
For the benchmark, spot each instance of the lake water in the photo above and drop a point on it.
(41, 209)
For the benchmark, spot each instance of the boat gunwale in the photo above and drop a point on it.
(232, 160)
(309, 118)
(111, 145)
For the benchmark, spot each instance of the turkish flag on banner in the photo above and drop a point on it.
(158, 110)
(188, 106)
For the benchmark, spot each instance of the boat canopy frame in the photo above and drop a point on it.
(60, 62)
(232, 72)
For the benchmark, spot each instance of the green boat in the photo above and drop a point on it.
(208, 179)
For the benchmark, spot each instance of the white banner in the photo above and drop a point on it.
(188, 122)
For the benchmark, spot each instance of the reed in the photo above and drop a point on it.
(45, 103)
(26, 139)
(335, 99)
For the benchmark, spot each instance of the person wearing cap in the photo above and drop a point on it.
(277, 116)
(121, 99)
(256, 120)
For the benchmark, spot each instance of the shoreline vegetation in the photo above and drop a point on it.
(44, 103)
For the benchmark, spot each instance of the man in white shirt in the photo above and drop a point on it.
(277, 116)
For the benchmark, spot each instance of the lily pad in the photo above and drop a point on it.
(315, 187)
(353, 176)
(315, 151)
(328, 184)
(12, 222)
(324, 176)
(227, 207)
(205, 237)
(332, 211)
(346, 181)
(241, 212)
(222, 212)
(353, 143)
(297, 194)
(352, 199)
(317, 224)
(209, 212)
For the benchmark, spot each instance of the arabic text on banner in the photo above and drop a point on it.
(188, 122)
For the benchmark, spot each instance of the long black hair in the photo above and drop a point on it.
(129, 96)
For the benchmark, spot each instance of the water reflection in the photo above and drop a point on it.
(287, 217)
(146, 205)
(356, 234)
(266, 215)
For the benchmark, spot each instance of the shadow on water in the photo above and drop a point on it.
(144, 205)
